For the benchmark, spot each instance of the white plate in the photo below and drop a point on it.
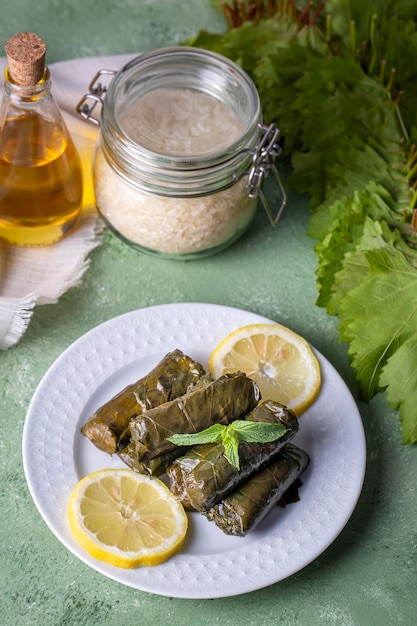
(211, 564)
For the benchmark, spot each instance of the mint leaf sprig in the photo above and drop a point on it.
(231, 435)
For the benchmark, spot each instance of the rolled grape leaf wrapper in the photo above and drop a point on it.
(222, 401)
(153, 467)
(244, 508)
(108, 427)
(203, 476)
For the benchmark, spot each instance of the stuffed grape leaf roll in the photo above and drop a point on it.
(153, 467)
(108, 427)
(203, 476)
(244, 508)
(222, 401)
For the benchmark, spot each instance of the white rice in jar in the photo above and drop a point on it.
(175, 122)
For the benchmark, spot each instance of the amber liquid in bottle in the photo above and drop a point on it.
(40, 181)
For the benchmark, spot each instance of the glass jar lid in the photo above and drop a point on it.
(183, 107)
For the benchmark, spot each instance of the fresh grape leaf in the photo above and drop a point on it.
(390, 28)
(380, 314)
(339, 241)
(348, 132)
(355, 265)
(399, 376)
(343, 238)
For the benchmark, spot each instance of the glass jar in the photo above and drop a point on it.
(182, 152)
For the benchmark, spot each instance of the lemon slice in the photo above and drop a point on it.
(126, 519)
(281, 362)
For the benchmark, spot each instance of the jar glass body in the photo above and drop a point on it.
(178, 130)
(40, 170)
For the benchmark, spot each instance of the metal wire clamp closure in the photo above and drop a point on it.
(262, 163)
(96, 90)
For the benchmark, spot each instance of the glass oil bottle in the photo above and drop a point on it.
(40, 170)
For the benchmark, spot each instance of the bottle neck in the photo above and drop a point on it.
(27, 93)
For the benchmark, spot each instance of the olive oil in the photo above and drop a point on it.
(41, 182)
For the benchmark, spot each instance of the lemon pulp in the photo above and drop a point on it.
(126, 519)
(280, 361)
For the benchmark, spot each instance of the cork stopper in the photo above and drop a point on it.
(26, 58)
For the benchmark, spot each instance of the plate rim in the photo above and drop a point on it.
(119, 575)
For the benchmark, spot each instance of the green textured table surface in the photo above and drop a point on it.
(367, 576)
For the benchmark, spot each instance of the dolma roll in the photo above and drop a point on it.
(244, 508)
(228, 398)
(203, 476)
(154, 467)
(108, 427)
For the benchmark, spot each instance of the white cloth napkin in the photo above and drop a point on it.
(35, 276)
